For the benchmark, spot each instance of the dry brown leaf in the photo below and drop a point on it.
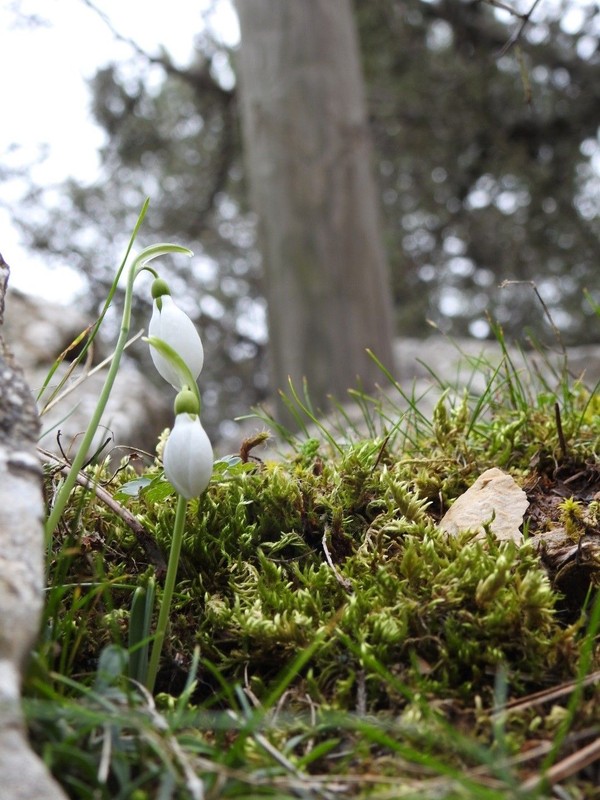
(494, 499)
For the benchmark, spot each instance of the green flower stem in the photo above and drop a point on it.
(137, 266)
(78, 462)
(167, 596)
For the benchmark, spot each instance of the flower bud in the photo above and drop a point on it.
(173, 326)
(188, 456)
(159, 288)
(186, 402)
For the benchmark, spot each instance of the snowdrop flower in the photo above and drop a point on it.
(173, 326)
(188, 454)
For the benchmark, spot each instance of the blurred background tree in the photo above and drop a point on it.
(308, 158)
(487, 156)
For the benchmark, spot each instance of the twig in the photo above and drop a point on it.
(85, 375)
(525, 18)
(504, 7)
(545, 696)
(559, 430)
(568, 766)
(198, 78)
(339, 577)
(146, 541)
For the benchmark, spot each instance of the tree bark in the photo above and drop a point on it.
(308, 156)
(22, 775)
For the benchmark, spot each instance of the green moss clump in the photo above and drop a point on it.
(323, 585)
(343, 549)
(339, 546)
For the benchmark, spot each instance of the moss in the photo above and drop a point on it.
(328, 568)
(256, 585)
(344, 540)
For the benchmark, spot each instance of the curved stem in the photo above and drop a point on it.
(139, 264)
(167, 596)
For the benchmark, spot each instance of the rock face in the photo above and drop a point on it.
(137, 410)
(22, 775)
(422, 368)
(458, 361)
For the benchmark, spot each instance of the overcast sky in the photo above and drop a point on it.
(45, 100)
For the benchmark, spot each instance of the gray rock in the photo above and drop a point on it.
(422, 369)
(137, 410)
(22, 775)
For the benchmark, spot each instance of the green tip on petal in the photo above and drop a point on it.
(186, 402)
(159, 288)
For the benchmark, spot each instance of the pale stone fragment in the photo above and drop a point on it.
(494, 499)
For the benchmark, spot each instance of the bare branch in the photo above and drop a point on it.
(518, 32)
(199, 79)
(147, 542)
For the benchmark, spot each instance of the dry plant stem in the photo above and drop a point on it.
(559, 430)
(85, 375)
(165, 604)
(339, 578)
(55, 396)
(570, 765)
(545, 696)
(151, 549)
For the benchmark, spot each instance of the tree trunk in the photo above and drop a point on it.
(308, 156)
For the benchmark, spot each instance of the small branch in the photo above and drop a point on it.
(559, 430)
(569, 766)
(525, 19)
(145, 540)
(338, 576)
(504, 7)
(198, 79)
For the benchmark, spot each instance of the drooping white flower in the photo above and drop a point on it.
(173, 326)
(188, 456)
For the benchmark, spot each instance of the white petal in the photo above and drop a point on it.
(174, 327)
(188, 456)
